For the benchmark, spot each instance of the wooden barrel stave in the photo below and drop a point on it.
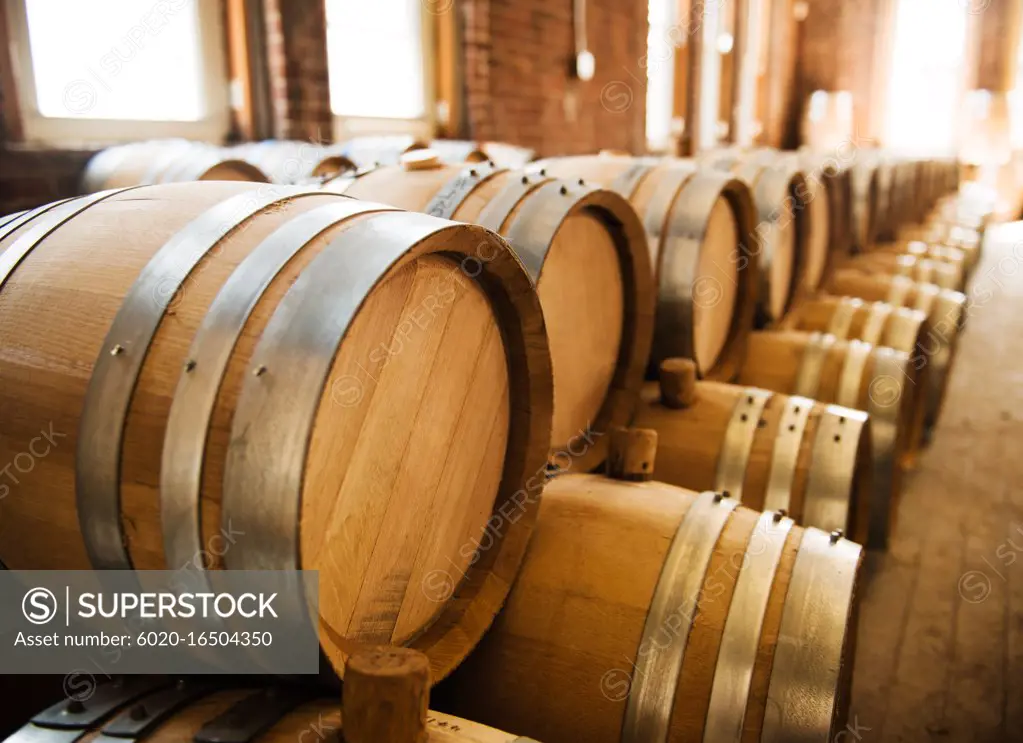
(600, 328)
(616, 571)
(785, 459)
(51, 384)
(779, 191)
(163, 161)
(700, 227)
(879, 381)
(926, 270)
(881, 324)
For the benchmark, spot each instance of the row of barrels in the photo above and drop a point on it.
(255, 359)
(276, 161)
(188, 405)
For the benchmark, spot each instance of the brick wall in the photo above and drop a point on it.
(842, 43)
(997, 29)
(519, 85)
(297, 56)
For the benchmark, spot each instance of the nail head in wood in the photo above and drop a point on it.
(632, 453)
(678, 383)
(385, 696)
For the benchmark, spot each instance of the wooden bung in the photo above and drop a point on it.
(264, 712)
(632, 454)
(700, 223)
(244, 385)
(386, 696)
(598, 643)
(586, 249)
(678, 383)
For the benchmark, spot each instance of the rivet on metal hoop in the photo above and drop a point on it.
(564, 190)
(473, 172)
(543, 172)
(259, 370)
(190, 365)
(525, 180)
(117, 350)
(836, 535)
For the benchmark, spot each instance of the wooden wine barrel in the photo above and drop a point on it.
(880, 381)
(501, 154)
(586, 251)
(926, 270)
(931, 251)
(824, 200)
(780, 192)
(370, 151)
(879, 324)
(257, 360)
(887, 197)
(970, 240)
(287, 161)
(195, 709)
(700, 229)
(946, 313)
(598, 641)
(767, 450)
(163, 161)
(866, 205)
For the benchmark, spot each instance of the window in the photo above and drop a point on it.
(660, 74)
(379, 66)
(117, 69)
(927, 76)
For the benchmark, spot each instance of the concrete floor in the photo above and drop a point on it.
(940, 645)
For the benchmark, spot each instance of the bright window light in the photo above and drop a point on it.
(116, 59)
(660, 73)
(375, 54)
(927, 76)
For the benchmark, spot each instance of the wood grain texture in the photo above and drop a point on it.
(386, 696)
(560, 657)
(690, 443)
(406, 465)
(720, 315)
(593, 280)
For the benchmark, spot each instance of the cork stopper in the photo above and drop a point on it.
(632, 454)
(385, 696)
(678, 383)
(425, 159)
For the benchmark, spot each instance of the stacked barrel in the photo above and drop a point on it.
(621, 422)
